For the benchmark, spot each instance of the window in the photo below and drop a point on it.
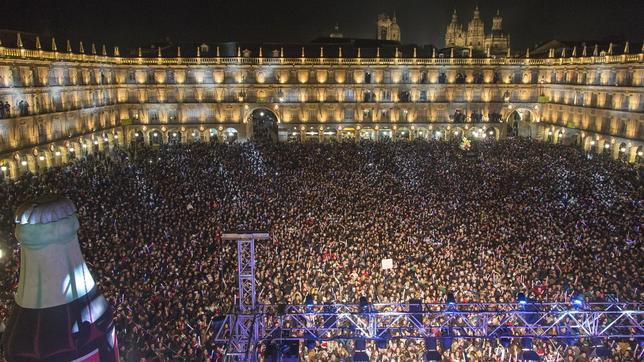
(348, 95)
(423, 96)
(366, 114)
(348, 114)
(367, 78)
(153, 115)
(423, 77)
(130, 76)
(170, 76)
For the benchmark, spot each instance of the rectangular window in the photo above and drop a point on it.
(348, 95)
(423, 96)
(153, 115)
(348, 114)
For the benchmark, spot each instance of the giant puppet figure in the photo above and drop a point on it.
(59, 314)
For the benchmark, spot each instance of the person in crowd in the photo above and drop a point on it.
(525, 216)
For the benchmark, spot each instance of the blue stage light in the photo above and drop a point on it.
(578, 301)
(451, 301)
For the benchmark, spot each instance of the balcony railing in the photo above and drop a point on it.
(22, 53)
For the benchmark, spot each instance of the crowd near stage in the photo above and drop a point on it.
(389, 250)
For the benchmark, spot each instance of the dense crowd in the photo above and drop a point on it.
(524, 217)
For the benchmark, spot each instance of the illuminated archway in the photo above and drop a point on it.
(521, 121)
(264, 123)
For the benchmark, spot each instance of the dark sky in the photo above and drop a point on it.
(131, 23)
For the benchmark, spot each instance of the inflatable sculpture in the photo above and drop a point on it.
(59, 313)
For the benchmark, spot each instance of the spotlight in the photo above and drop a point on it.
(578, 301)
(521, 299)
(451, 301)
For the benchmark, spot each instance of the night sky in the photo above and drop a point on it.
(130, 23)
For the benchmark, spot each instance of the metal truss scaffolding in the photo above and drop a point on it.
(243, 331)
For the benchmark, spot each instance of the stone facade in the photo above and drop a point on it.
(388, 28)
(495, 43)
(85, 103)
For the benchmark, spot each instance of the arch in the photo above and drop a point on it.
(403, 133)
(422, 133)
(293, 134)
(368, 133)
(194, 135)
(385, 134)
(348, 133)
(621, 151)
(230, 134)
(8, 169)
(213, 135)
(439, 134)
(175, 137)
(329, 133)
(519, 122)
(44, 160)
(491, 133)
(311, 134)
(264, 123)
(156, 137)
(590, 145)
(137, 137)
(457, 133)
(637, 154)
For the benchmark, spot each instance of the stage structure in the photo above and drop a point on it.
(241, 339)
(566, 323)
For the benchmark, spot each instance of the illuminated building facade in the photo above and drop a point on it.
(84, 101)
(496, 42)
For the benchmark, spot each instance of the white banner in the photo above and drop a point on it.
(387, 264)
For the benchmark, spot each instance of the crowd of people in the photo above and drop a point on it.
(524, 216)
